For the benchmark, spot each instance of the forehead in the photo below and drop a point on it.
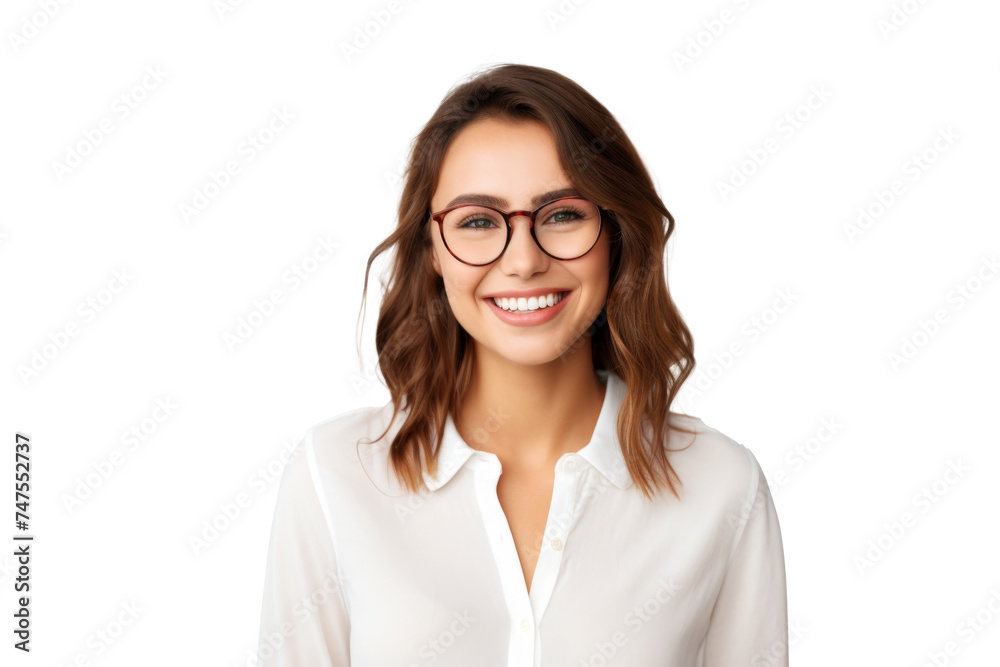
(511, 160)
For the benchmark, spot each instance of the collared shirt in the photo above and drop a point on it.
(361, 572)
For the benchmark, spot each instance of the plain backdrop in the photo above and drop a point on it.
(189, 193)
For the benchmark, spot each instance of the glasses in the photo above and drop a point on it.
(564, 228)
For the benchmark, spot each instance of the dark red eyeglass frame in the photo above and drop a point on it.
(439, 218)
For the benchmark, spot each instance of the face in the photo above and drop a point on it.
(516, 162)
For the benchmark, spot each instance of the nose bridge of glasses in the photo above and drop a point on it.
(520, 214)
(517, 214)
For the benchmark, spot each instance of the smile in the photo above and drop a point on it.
(528, 311)
(530, 304)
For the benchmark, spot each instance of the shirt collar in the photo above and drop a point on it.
(603, 452)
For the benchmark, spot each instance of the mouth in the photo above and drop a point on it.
(523, 305)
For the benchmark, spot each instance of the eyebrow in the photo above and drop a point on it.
(500, 202)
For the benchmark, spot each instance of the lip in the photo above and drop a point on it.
(533, 318)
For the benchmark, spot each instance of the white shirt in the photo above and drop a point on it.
(362, 573)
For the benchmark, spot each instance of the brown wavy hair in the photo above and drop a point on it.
(425, 356)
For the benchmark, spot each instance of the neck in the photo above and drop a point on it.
(529, 416)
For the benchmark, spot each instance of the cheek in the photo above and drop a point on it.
(457, 289)
(457, 277)
(460, 283)
(598, 269)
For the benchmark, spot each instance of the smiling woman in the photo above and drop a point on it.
(527, 497)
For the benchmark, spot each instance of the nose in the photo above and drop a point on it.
(523, 255)
(525, 226)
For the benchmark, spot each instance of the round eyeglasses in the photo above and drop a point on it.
(564, 228)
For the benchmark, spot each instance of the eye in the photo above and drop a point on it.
(472, 222)
(564, 215)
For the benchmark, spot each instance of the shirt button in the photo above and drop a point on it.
(556, 544)
(570, 464)
(525, 624)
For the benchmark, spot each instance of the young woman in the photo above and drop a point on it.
(527, 497)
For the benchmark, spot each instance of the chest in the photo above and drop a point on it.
(525, 500)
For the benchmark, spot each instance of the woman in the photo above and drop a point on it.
(514, 504)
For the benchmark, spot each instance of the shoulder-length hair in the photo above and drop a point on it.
(424, 354)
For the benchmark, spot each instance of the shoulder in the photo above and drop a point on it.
(711, 462)
(349, 425)
(340, 435)
(346, 449)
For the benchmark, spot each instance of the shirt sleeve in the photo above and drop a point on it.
(749, 624)
(304, 617)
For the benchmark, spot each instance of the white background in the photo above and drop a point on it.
(331, 175)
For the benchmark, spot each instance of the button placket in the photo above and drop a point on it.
(560, 520)
(521, 645)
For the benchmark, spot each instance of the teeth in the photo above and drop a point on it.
(527, 305)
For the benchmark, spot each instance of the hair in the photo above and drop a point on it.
(426, 357)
